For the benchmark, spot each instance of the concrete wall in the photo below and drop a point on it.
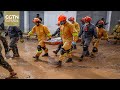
(114, 17)
(96, 15)
(22, 20)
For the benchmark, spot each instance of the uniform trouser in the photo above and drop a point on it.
(5, 44)
(66, 50)
(13, 45)
(96, 43)
(59, 47)
(86, 43)
(4, 63)
(95, 46)
(117, 36)
(41, 45)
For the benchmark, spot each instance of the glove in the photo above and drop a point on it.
(48, 39)
(21, 40)
(73, 43)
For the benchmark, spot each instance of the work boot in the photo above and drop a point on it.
(74, 47)
(55, 52)
(87, 54)
(12, 74)
(59, 64)
(45, 55)
(69, 60)
(81, 58)
(16, 55)
(92, 55)
(115, 42)
(36, 58)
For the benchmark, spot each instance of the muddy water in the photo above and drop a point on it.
(105, 65)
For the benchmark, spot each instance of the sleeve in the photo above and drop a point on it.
(74, 33)
(47, 32)
(32, 31)
(78, 27)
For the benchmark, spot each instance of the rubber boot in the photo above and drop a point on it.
(69, 60)
(45, 55)
(12, 74)
(81, 58)
(36, 58)
(59, 64)
(92, 55)
(15, 52)
(55, 52)
(87, 54)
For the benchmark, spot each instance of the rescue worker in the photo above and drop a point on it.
(87, 32)
(38, 16)
(102, 19)
(57, 32)
(101, 32)
(116, 32)
(14, 33)
(6, 65)
(42, 34)
(68, 34)
(77, 27)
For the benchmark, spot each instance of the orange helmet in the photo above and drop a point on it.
(71, 19)
(62, 18)
(88, 19)
(101, 22)
(36, 20)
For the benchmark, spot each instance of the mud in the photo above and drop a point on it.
(106, 64)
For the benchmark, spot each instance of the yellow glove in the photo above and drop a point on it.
(21, 40)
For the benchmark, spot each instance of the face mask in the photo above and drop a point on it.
(38, 24)
(62, 22)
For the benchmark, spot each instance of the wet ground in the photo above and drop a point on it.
(106, 64)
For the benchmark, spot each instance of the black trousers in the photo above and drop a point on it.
(3, 63)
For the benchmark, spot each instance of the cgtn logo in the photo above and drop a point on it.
(11, 18)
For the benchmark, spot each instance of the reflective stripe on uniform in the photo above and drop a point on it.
(39, 51)
(48, 34)
(61, 33)
(30, 33)
(75, 34)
